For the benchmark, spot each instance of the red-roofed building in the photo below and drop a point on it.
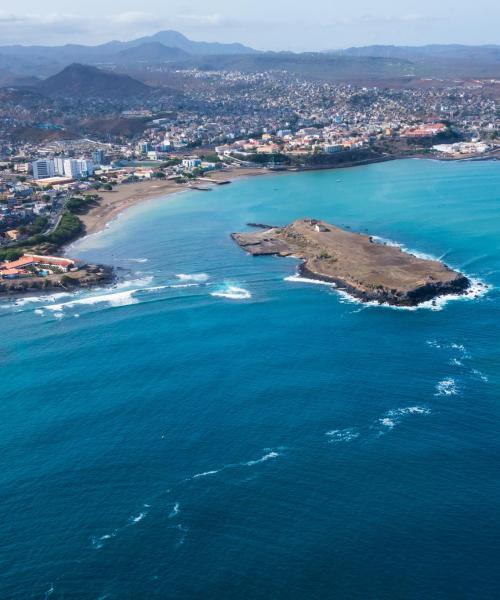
(17, 268)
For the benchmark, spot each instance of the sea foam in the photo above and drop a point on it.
(232, 292)
(446, 387)
(342, 435)
(198, 277)
(476, 289)
(266, 457)
(116, 299)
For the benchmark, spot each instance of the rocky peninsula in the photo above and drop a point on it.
(86, 276)
(356, 263)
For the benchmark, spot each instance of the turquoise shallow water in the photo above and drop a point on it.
(209, 429)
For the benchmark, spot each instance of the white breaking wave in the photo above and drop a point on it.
(475, 290)
(116, 299)
(175, 511)
(416, 253)
(232, 292)
(300, 279)
(137, 260)
(386, 422)
(37, 299)
(198, 277)
(446, 387)
(342, 435)
(135, 283)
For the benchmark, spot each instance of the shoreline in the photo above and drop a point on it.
(128, 195)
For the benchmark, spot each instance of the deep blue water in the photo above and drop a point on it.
(165, 442)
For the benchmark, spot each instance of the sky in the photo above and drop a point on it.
(263, 24)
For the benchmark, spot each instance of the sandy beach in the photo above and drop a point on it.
(126, 195)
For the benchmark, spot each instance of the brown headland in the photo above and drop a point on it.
(356, 263)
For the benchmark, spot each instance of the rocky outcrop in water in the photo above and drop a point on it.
(356, 263)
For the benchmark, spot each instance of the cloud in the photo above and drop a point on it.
(62, 28)
(215, 20)
(136, 18)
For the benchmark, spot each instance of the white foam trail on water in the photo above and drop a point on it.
(446, 387)
(232, 292)
(342, 435)
(175, 511)
(270, 454)
(393, 417)
(139, 517)
(481, 376)
(410, 410)
(266, 457)
(115, 299)
(206, 474)
(184, 531)
(198, 277)
(183, 285)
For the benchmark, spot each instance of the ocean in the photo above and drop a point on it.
(213, 427)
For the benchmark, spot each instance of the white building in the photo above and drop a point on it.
(191, 163)
(72, 167)
(43, 168)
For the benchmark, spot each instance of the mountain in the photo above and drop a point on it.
(438, 60)
(150, 52)
(178, 40)
(47, 60)
(448, 51)
(84, 81)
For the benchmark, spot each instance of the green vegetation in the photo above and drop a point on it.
(171, 163)
(264, 159)
(39, 225)
(68, 229)
(8, 254)
(81, 206)
(212, 157)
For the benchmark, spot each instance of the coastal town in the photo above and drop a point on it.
(223, 125)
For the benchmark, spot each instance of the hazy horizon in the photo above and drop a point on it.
(315, 26)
